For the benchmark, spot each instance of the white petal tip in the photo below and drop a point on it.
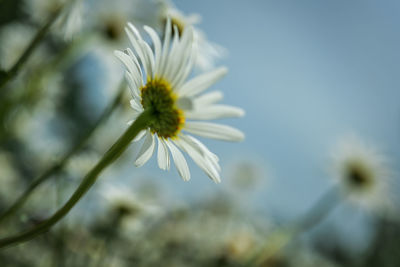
(240, 137)
(241, 112)
(162, 168)
(223, 70)
(237, 136)
(139, 163)
(117, 53)
(186, 179)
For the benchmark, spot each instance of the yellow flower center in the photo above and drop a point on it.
(113, 29)
(358, 175)
(180, 25)
(168, 119)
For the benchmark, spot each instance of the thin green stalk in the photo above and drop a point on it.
(279, 238)
(10, 74)
(318, 211)
(109, 157)
(58, 166)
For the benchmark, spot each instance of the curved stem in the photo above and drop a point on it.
(281, 237)
(318, 211)
(109, 157)
(9, 75)
(58, 166)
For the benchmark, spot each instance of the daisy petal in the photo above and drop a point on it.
(136, 106)
(133, 86)
(140, 135)
(157, 46)
(135, 40)
(202, 161)
(163, 155)
(147, 150)
(214, 131)
(182, 56)
(201, 82)
(215, 112)
(201, 147)
(182, 76)
(173, 57)
(180, 161)
(129, 64)
(165, 49)
(148, 53)
(139, 74)
(208, 99)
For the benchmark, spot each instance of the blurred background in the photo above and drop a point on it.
(307, 73)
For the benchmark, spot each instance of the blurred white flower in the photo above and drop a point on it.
(120, 197)
(134, 211)
(69, 21)
(246, 174)
(206, 52)
(155, 13)
(109, 18)
(362, 173)
(163, 87)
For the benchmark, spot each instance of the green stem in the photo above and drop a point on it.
(109, 157)
(9, 75)
(318, 211)
(58, 166)
(281, 237)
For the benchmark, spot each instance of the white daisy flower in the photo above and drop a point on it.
(109, 18)
(123, 199)
(159, 81)
(206, 52)
(362, 173)
(69, 21)
(134, 212)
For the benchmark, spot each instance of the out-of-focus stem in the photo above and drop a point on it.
(58, 166)
(279, 238)
(109, 157)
